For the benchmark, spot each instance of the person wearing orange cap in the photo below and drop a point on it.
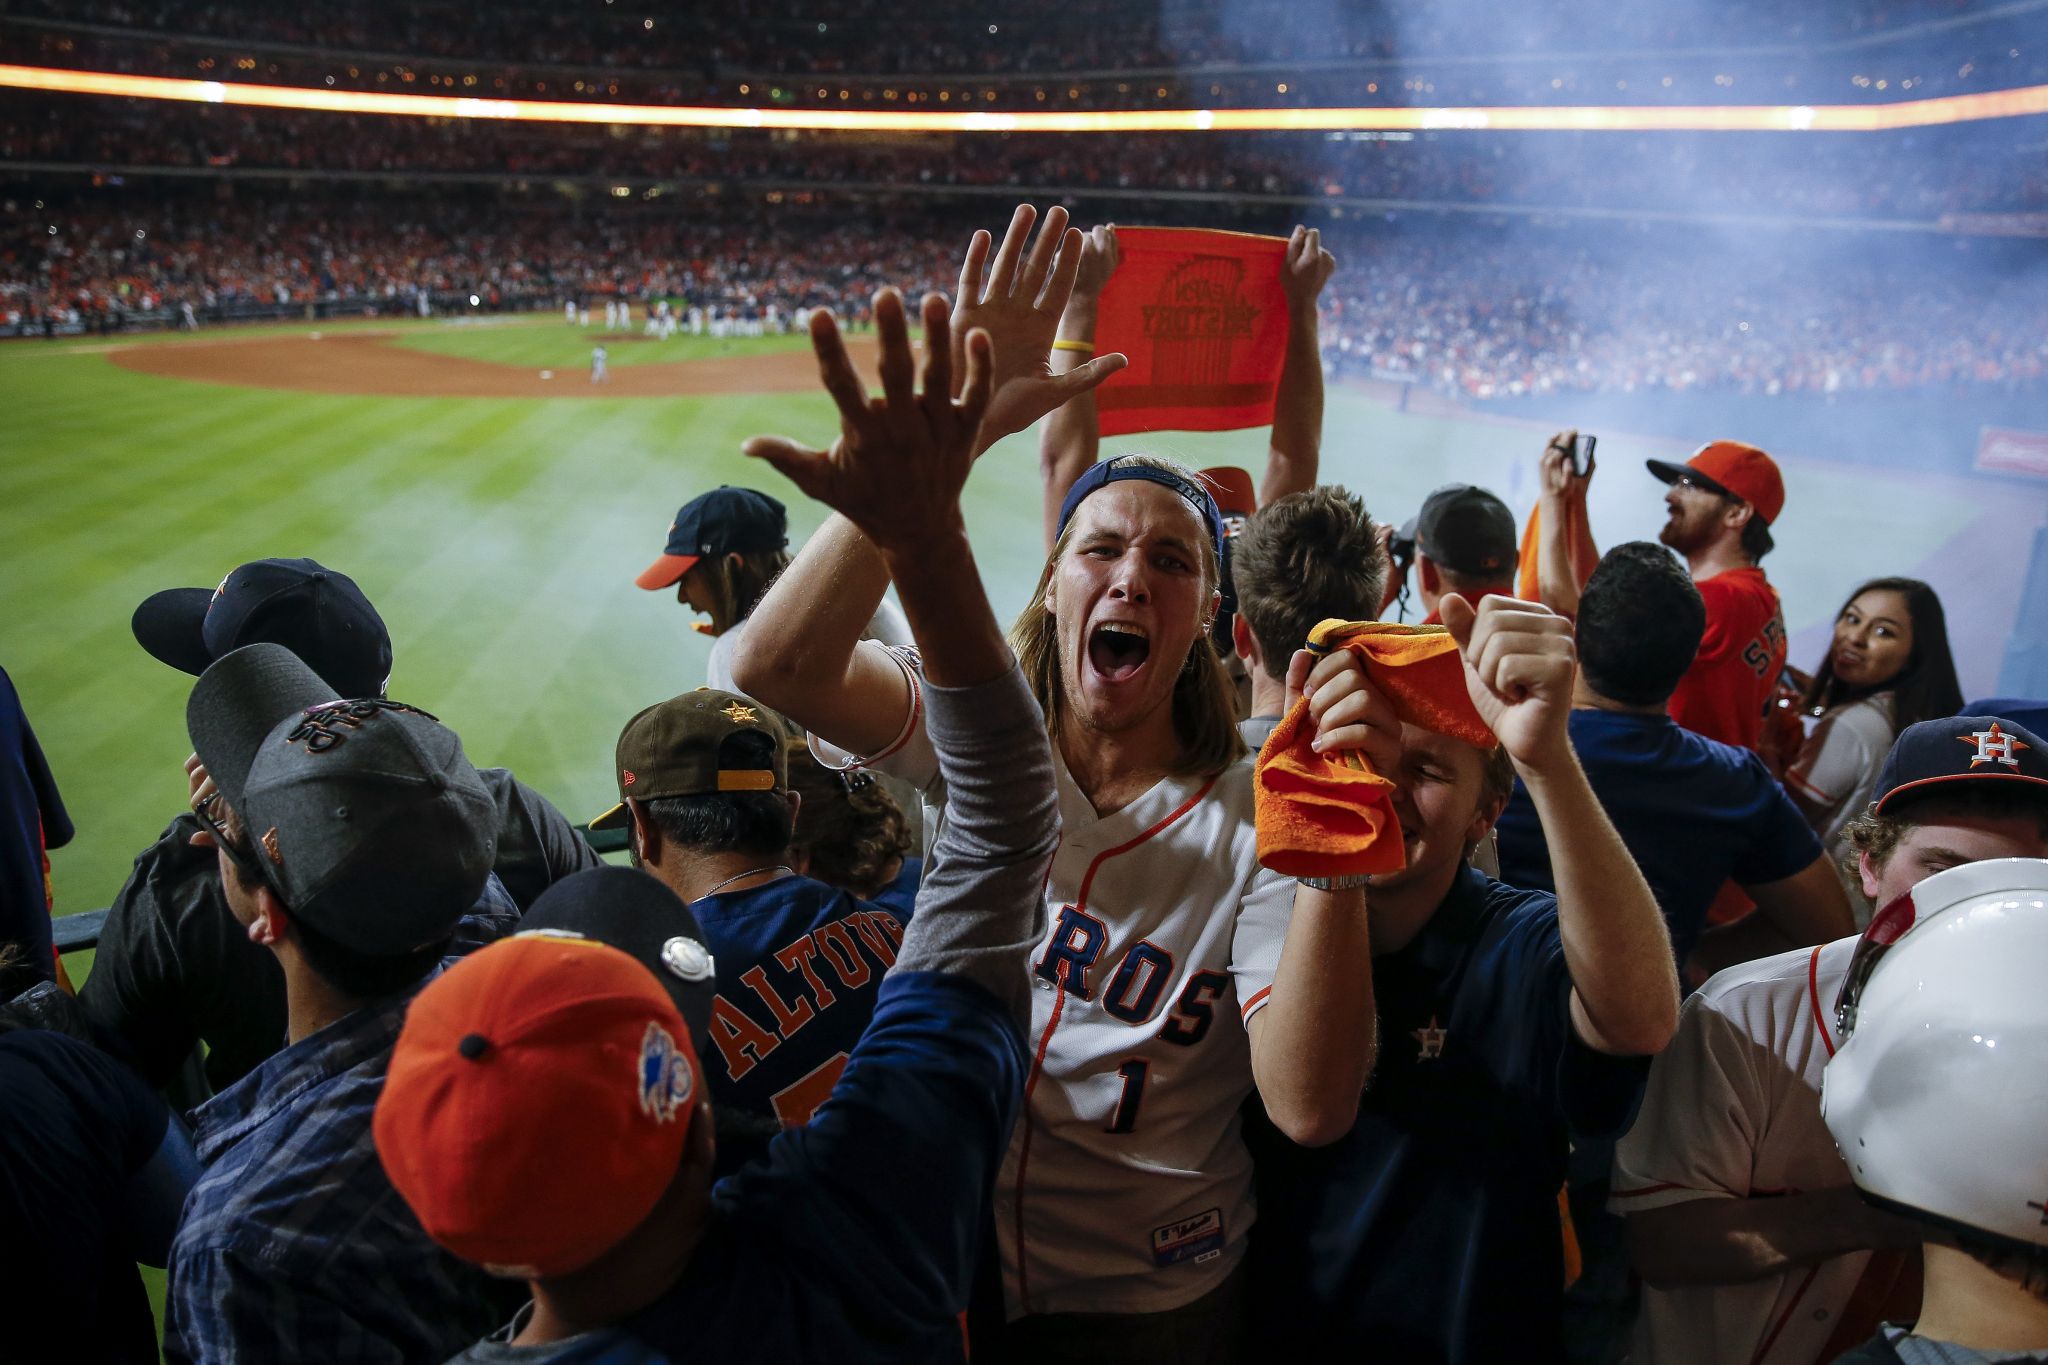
(545, 1114)
(1722, 503)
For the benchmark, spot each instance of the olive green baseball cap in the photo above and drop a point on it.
(678, 748)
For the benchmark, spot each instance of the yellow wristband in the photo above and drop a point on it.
(1085, 347)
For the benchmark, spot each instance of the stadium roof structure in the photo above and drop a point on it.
(1832, 118)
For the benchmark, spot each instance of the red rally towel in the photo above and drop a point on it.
(1203, 318)
(1331, 815)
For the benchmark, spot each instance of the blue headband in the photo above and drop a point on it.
(1124, 467)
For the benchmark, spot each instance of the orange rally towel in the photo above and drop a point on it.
(1529, 579)
(1203, 317)
(1585, 555)
(1325, 815)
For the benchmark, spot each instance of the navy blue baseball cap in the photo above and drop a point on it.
(316, 613)
(1960, 749)
(726, 520)
(1124, 467)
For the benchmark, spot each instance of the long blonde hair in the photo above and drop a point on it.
(1204, 699)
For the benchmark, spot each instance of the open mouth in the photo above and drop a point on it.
(1118, 649)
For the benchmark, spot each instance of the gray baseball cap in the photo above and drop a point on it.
(369, 823)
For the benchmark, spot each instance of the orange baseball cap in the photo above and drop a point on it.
(1741, 471)
(537, 1103)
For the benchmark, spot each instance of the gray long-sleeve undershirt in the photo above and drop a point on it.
(981, 906)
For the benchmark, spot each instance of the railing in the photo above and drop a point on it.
(76, 933)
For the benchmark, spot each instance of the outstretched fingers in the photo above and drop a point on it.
(938, 358)
(1082, 378)
(897, 366)
(801, 465)
(835, 369)
(975, 393)
(974, 268)
(1002, 277)
(1065, 270)
(1052, 239)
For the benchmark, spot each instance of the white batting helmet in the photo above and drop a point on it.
(1938, 1093)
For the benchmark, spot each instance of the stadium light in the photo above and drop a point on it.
(1820, 118)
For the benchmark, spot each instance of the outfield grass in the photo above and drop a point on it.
(499, 539)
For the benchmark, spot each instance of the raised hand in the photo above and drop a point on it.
(899, 464)
(1017, 299)
(1306, 269)
(1519, 666)
(1348, 713)
(1560, 478)
(199, 790)
(1099, 260)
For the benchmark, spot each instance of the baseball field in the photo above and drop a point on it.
(495, 505)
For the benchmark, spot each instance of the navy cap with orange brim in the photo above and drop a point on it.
(726, 520)
(1940, 754)
(666, 572)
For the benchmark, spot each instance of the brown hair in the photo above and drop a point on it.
(738, 581)
(1878, 835)
(847, 824)
(1497, 782)
(1302, 559)
(1204, 699)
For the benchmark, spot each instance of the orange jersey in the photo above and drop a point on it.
(1724, 694)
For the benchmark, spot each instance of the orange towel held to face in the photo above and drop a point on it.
(1330, 814)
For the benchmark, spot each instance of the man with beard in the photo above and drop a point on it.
(1723, 501)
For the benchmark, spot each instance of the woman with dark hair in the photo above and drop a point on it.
(1888, 667)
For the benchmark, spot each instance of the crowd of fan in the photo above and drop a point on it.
(862, 36)
(1918, 176)
(1469, 313)
(1538, 314)
(1973, 58)
(1273, 976)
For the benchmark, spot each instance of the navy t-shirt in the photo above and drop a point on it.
(800, 964)
(1430, 1232)
(1694, 813)
(75, 1127)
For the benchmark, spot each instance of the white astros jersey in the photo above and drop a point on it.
(1127, 1187)
(1732, 1111)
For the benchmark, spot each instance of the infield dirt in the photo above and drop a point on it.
(373, 364)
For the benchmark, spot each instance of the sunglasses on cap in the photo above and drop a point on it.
(212, 811)
(1885, 929)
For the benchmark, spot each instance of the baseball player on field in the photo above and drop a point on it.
(1175, 974)
(598, 374)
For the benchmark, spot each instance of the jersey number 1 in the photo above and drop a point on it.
(1125, 1119)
